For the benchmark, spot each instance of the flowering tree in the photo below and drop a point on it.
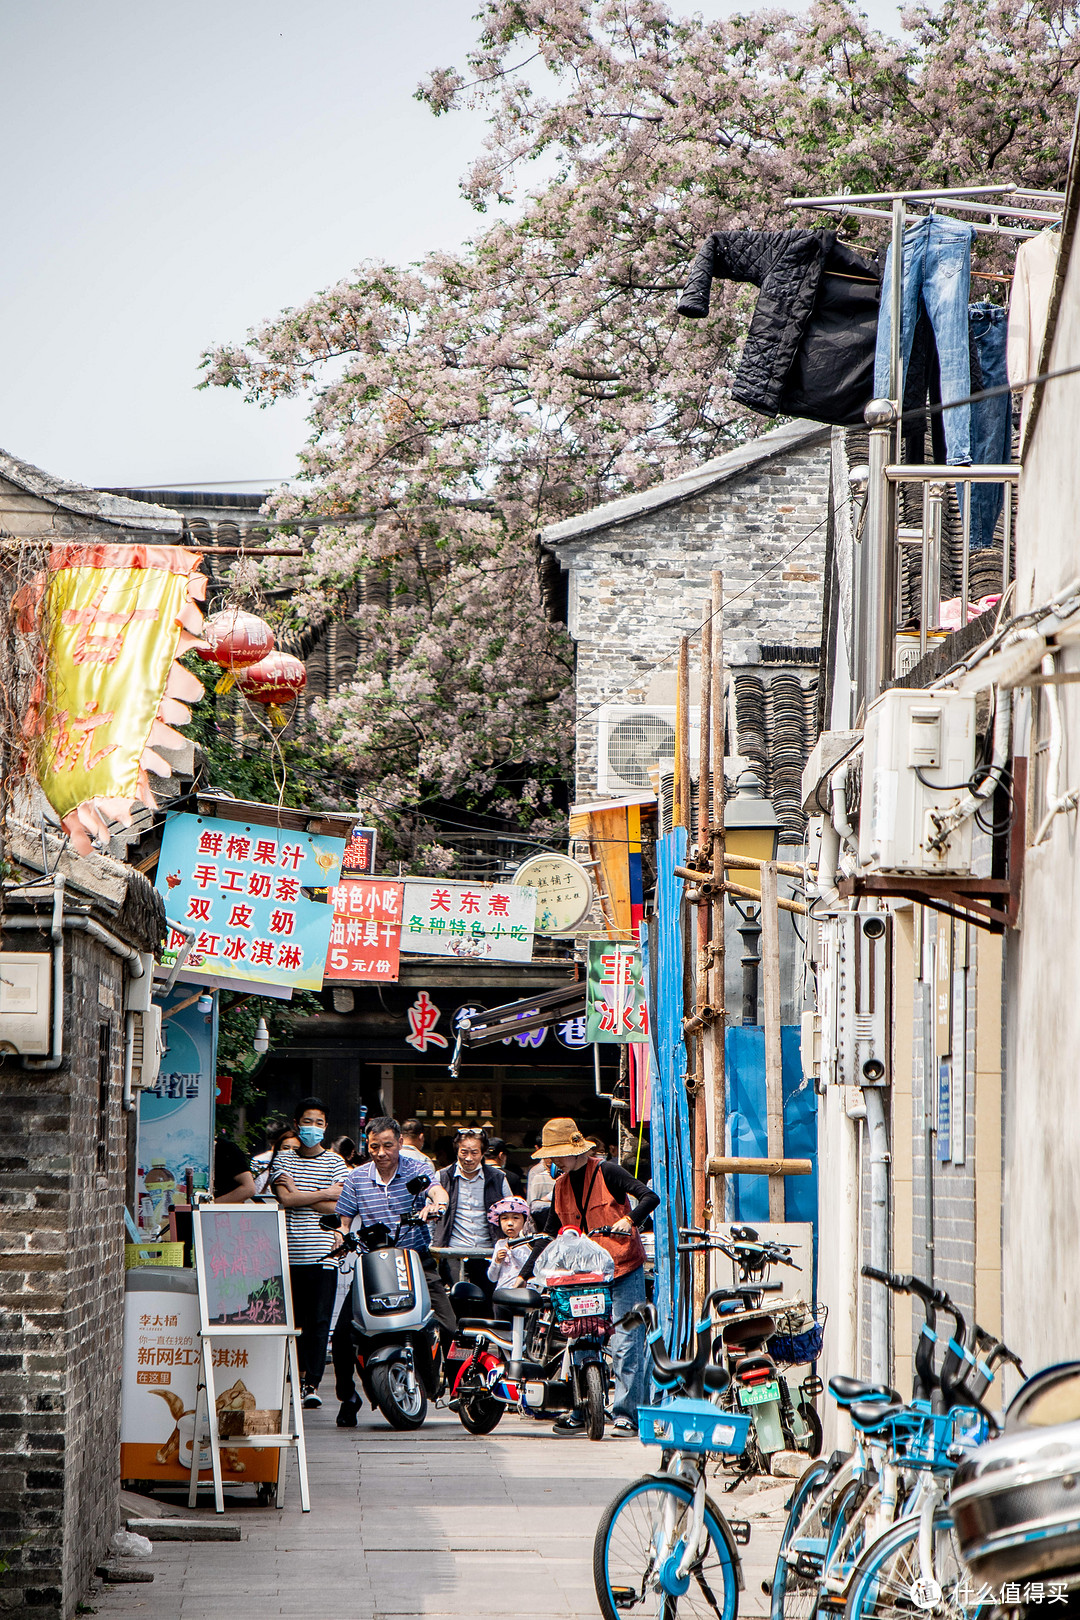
(460, 403)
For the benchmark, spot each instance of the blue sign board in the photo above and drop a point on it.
(176, 1117)
(245, 891)
(944, 1110)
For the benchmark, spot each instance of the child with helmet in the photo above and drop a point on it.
(510, 1217)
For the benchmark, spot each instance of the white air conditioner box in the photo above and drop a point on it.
(631, 738)
(918, 756)
(25, 1002)
(146, 1048)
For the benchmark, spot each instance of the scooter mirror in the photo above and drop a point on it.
(416, 1184)
(330, 1223)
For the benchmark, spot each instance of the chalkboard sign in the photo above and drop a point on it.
(242, 1266)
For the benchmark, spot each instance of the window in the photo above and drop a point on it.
(104, 1077)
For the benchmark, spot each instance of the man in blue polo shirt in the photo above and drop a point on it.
(373, 1193)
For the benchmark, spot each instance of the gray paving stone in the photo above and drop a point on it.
(438, 1525)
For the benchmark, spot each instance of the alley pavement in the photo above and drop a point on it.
(439, 1523)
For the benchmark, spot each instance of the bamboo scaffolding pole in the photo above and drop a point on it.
(713, 1036)
(702, 1146)
(770, 982)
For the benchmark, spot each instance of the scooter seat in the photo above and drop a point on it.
(477, 1324)
(517, 1301)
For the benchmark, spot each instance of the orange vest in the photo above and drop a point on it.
(601, 1209)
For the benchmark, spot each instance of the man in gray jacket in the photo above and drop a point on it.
(472, 1188)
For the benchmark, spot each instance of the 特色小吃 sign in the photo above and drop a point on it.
(616, 1008)
(478, 920)
(365, 937)
(244, 891)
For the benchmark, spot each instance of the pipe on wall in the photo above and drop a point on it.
(879, 1231)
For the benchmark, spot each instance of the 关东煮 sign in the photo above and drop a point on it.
(366, 932)
(469, 920)
(242, 889)
(616, 1009)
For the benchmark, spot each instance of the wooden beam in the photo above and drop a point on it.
(779, 903)
(725, 1165)
(769, 915)
(714, 1035)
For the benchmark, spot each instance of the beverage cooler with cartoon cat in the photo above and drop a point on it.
(160, 1379)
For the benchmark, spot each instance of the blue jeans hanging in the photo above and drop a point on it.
(991, 419)
(937, 265)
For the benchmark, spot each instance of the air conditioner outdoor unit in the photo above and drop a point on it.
(25, 998)
(855, 988)
(147, 1049)
(633, 736)
(918, 756)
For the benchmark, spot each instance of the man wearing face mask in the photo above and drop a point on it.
(307, 1182)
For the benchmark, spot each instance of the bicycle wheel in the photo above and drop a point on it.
(793, 1590)
(855, 1510)
(889, 1581)
(638, 1545)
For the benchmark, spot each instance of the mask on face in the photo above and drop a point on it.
(311, 1135)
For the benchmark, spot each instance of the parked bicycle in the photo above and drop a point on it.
(871, 1531)
(663, 1547)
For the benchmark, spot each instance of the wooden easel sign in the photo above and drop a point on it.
(242, 1264)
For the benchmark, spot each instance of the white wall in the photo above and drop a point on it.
(1041, 1216)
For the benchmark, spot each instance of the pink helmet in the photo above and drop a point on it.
(507, 1206)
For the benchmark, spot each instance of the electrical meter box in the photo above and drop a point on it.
(918, 756)
(855, 996)
(25, 997)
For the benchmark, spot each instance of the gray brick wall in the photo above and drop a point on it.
(636, 588)
(61, 1296)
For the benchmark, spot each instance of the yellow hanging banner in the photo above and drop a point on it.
(113, 619)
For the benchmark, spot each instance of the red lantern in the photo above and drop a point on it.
(274, 680)
(235, 640)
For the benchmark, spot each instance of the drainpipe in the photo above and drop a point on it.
(128, 1100)
(879, 1230)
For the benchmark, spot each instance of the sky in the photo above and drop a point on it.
(174, 175)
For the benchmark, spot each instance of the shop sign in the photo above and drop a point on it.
(245, 890)
(422, 1017)
(573, 1033)
(563, 891)
(366, 931)
(175, 1125)
(616, 1006)
(359, 857)
(471, 920)
(161, 1377)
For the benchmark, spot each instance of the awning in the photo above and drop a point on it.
(493, 1024)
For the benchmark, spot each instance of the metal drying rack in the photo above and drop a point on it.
(1009, 210)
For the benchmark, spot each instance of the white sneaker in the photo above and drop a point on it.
(311, 1397)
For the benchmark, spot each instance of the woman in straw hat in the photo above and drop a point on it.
(590, 1192)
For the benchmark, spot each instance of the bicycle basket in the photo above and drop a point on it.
(800, 1337)
(699, 1426)
(582, 1309)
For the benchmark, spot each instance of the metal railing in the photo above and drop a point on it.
(935, 481)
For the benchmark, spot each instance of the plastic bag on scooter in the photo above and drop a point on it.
(574, 1258)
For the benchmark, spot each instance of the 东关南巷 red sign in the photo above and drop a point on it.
(365, 937)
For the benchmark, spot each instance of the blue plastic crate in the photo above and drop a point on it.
(685, 1425)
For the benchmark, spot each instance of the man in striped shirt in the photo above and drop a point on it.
(377, 1193)
(308, 1182)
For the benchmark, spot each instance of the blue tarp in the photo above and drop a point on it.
(669, 1131)
(744, 1053)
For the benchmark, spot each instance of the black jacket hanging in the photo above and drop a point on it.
(810, 348)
